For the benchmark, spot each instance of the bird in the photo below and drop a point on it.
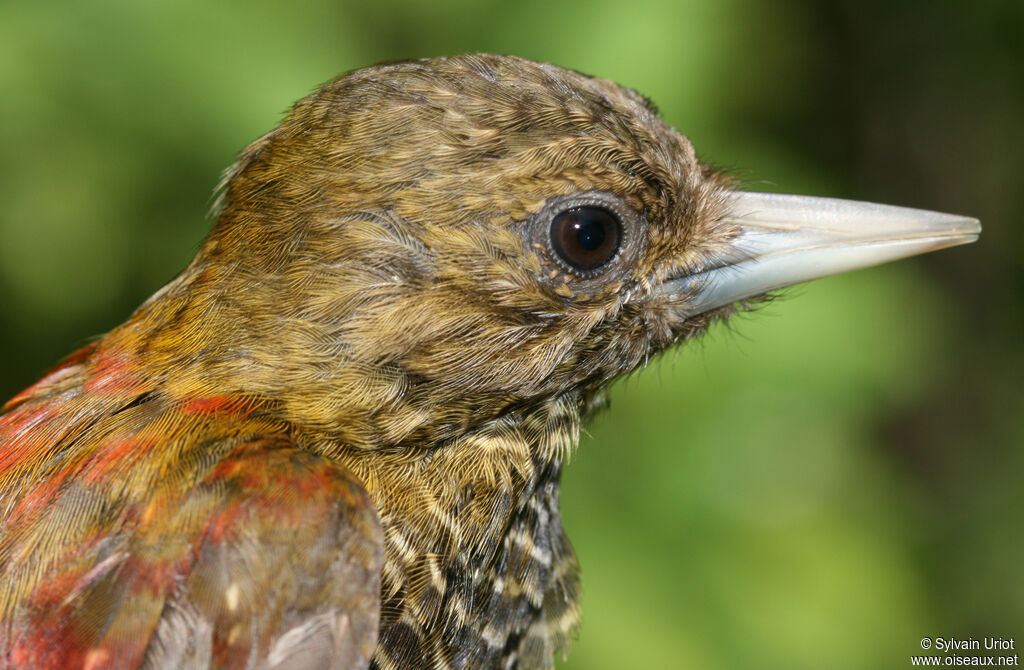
(335, 439)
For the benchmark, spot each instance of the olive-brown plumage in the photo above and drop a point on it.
(335, 439)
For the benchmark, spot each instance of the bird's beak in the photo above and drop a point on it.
(786, 239)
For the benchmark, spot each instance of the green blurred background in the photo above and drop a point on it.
(821, 483)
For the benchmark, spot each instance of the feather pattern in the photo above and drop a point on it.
(335, 439)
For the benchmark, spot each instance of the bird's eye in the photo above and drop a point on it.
(585, 238)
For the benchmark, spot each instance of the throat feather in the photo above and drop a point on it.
(478, 571)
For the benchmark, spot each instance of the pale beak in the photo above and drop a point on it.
(788, 239)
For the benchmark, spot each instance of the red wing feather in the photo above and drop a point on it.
(269, 558)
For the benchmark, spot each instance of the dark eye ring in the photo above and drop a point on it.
(585, 237)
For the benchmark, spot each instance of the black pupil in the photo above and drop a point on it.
(590, 234)
(585, 238)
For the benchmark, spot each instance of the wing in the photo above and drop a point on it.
(270, 558)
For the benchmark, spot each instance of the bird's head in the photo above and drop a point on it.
(420, 247)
